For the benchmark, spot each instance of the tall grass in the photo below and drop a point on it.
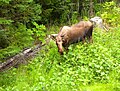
(86, 67)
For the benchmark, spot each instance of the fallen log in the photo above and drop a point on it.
(20, 58)
(25, 55)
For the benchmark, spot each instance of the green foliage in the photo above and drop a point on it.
(8, 52)
(93, 67)
(74, 17)
(38, 32)
(60, 11)
(4, 21)
(19, 38)
(65, 16)
(21, 11)
(4, 2)
(110, 13)
(15, 17)
(85, 67)
(4, 42)
(67, 11)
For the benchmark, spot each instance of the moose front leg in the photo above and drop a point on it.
(90, 39)
(66, 48)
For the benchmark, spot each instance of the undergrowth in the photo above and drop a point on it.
(85, 67)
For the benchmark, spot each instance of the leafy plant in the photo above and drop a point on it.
(19, 38)
(4, 42)
(110, 13)
(74, 17)
(39, 32)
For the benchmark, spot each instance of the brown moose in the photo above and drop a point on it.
(73, 34)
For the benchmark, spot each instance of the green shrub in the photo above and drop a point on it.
(110, 13)
(38, 32)
(4, 41)
(19, 38)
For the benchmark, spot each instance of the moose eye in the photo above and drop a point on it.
(59, 40)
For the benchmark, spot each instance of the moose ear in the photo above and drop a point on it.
(53, 36)
(61, 28)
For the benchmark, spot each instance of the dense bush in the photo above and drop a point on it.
(110, 13)
(38, 33)
(4, 41)
(20, 37)
(15, 18)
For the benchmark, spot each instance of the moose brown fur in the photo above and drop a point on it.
(73, 34)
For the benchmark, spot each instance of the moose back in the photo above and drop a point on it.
(73, 34)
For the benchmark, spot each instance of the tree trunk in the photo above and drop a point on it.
(91, 13)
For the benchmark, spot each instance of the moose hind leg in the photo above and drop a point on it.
(90, 39)
(89, 35)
